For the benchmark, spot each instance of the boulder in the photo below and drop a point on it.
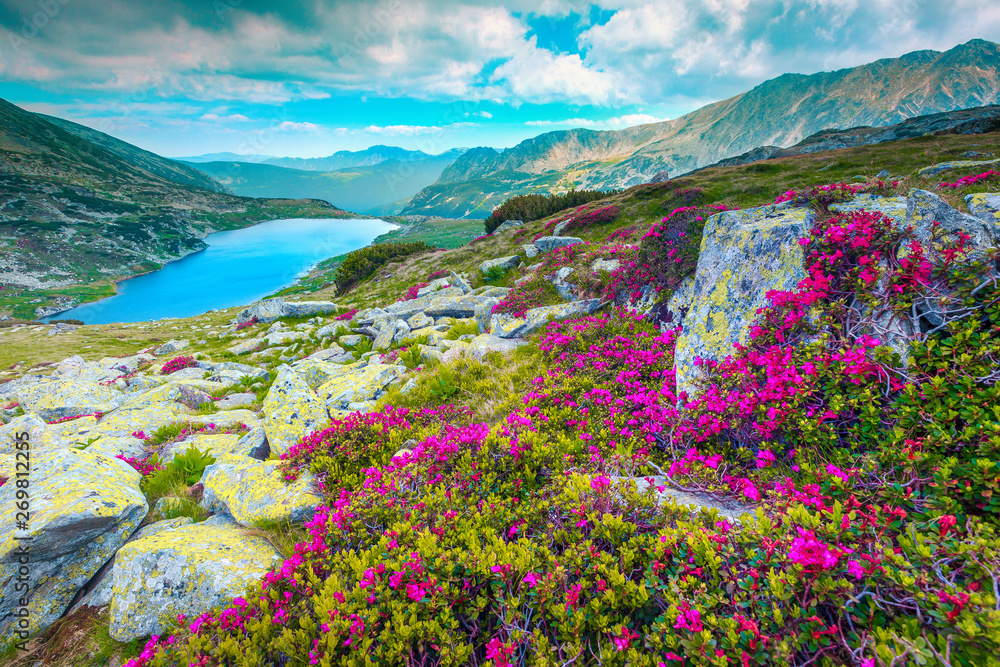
(236, 401)
(171, 392)
(557, 230)
(331, 330)
(386, 327)
(75, 368)
(459, 282)
(284, 337)
(61, 328)
(924, 208)
(185, 570)
(942, 167)
(419, 321)
(507, 226)
(482, 345)
(986, 207)
(270, 310)
(39, 434)
(350, 340)
(547, 243)
(317, 373)
(744, 255)
(254, 444)
(171, 347)
(607, 265)
(365, 385)
(217, 444)
(434, 286)
(291, 411)
(84, 505)
(68, 398)
(124, 422)
(502, 263)
(250, 490)
(402, 331)
(455, 306)
(247, 346)
(484, 312)
(530, 250)
(566, 289)
(126, 365)
(508, 326)
(892, 207)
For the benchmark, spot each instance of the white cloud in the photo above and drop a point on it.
(615, 123)
(411, 130)
(234, 117)
(290, 126)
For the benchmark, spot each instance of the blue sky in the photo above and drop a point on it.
(310, 77)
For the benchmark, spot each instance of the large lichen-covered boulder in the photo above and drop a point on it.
(925, 208)
(268, 310)
(386, 328)
(891, 207)
(217, 444)
(179, 392)
(986, 207)
(291, 410)
(250, 490)
(68, 398)
(186, 570)
(83, 506)
(76, 368)
(502, 263)
(547, 243)
(40, 434)
(483, 344)
(363, 385)
(124, 422)
(744, 255)
(317, 373)
(942, 167)
(507, 326)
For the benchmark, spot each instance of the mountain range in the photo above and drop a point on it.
(369, 181)
(779, 112)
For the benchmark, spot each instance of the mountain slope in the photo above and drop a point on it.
(360, 188)
(780, 112)
(75, 215)
(163, 167)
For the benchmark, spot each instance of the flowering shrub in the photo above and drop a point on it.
(536, 206)
(363, 262)
(821, 196)
(411, 293)
(346, 316)
(533, 293)
(178, 363)
(622, 234)
(599, 216)
(438, 274)
(971, 180)
(146, 466)
(246, 325)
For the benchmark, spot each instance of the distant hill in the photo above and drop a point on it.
(79, 208)
(369, 188)
(151, 162)
(368, 157)
(779, 112)
(223, 157)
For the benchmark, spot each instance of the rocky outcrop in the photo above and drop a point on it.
(291, 411)
(547, 243)
(744, 255)
(84, 505)
(250, 491)
(924, 208)
(501, 263)
(272, 309)
(507, 326)
(184, 570)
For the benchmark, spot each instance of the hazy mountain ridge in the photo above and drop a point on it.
(373, 188)
(369, 157)
(779, 112)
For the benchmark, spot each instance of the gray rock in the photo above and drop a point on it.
(608, 265)
(924, 208)
(530, 250)
(508, 326)
(254, 444)
(245, 369)
(284, 337)
(566, 289)
(419, 321)
(331, 330)
(247, 346)
(386, 327)
(291, 411)
(61, 328)
(171, 347)
(547, 243)
(508, 225)
(882, 174)
(986, 207)
(250, 491)
(557, 230)
(334, 354)
(236, 401)
(502, 263)
(402, 331)
(188, 570)
(85, 506)
(459, 282)
(434, 286)
(482, 345)
(270, 310)
(744, 255)
(350, 340)
(484, 312)
(891, 207)
(698, 502)
(68, 398)
(459, 307)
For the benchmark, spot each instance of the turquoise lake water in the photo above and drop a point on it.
(238, 268)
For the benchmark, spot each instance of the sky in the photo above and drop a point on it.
(307, 78)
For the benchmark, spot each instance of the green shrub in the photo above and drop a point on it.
(361, 263)
(535, 206)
